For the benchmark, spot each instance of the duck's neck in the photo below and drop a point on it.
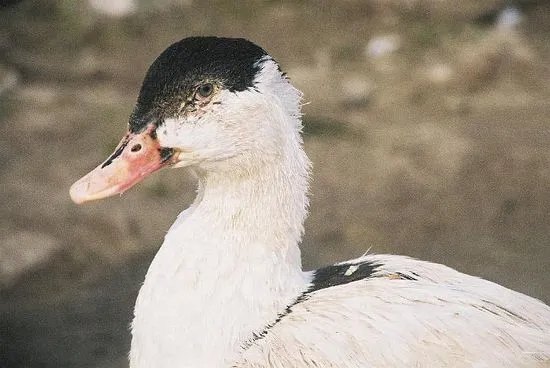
(228, 266)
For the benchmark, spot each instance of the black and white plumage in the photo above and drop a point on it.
(226, 288)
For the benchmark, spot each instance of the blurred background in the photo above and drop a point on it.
(427, 122)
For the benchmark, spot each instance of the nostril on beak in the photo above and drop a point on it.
(136, 147)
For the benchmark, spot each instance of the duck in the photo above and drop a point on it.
(226, 287)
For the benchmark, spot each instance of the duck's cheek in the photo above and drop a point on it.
(196, 142)
(185, 158)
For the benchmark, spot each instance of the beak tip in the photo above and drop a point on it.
(122, 170)
(77, 193)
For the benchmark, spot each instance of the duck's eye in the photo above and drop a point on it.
(205, 90)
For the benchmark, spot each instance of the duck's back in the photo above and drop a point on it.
(392, 311)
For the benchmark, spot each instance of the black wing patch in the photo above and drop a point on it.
(340, 274)
(323, 278)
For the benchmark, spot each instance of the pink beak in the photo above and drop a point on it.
(137, 155)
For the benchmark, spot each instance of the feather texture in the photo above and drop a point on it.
(226, 288)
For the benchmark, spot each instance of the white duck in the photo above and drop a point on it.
(226, 288)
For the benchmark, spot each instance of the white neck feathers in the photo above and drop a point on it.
(231, 262)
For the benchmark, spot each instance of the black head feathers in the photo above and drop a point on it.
(177, 72)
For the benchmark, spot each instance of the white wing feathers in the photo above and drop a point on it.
(408, 313)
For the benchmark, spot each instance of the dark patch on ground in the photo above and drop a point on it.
(326, 127)
(86, 327)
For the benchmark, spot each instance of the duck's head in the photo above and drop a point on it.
(204, 102)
